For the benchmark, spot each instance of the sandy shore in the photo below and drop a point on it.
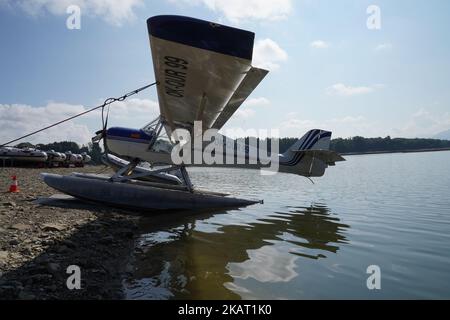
(39, 242)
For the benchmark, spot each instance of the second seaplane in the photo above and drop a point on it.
(204, 72)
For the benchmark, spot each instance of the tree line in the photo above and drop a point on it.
(388, 144)
(358, 145)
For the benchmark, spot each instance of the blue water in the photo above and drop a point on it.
(308, 241)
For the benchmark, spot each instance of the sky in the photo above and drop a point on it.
(330, 68)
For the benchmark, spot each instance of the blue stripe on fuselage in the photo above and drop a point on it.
(317, 134)
(302, 146)
(309, 143)
(129, 135)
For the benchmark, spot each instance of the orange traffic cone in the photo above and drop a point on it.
(14, 188)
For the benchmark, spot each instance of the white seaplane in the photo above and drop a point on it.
(204, 72)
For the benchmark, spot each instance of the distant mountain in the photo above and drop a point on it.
(443, 135)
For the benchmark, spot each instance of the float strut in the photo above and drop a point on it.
(186, 179)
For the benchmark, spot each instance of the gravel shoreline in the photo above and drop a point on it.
(39, 242)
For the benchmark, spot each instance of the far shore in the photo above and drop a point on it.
(399, 151)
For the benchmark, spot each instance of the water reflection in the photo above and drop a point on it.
(316, 229)
(196, 257)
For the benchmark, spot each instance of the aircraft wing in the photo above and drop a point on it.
(204, 70)
(252, 79)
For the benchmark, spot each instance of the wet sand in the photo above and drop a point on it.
(39, 240)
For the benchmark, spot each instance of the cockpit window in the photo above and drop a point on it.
(162, 144)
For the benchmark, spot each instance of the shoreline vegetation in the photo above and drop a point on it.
(371, 146)
(361, 146)
(393, 152)
(346, 147)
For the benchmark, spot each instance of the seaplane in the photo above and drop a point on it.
(204, 74)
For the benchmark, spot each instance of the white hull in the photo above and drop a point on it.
(24, 158)
(23, 155)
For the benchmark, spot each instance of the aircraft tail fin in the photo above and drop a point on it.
(311, 155)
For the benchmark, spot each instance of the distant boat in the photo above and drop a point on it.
(10, 156)
(86, 158)
(74, 159)
(23, 155)
(55, 158)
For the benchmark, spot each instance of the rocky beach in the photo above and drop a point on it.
(40, 239)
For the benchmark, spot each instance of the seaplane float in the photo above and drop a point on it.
(204, 74)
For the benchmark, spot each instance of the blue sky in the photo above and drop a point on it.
(328, 70)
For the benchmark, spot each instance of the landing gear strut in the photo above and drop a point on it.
(126, 174)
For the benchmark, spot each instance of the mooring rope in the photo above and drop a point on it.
(107, 102)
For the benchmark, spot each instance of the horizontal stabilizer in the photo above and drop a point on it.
(327, 156)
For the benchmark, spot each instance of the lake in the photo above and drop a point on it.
(308, 241)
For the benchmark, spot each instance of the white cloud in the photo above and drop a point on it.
(245, 113)
(340, 89)
(18, 119)
(266, 265)
(319, 44)
(297, 123)
(424, 124)
(383, 47)
(113, 11)
(248, 111)
(268, 54)
(133, 107)
(257, 102)
(237, 10)
(348, 126)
